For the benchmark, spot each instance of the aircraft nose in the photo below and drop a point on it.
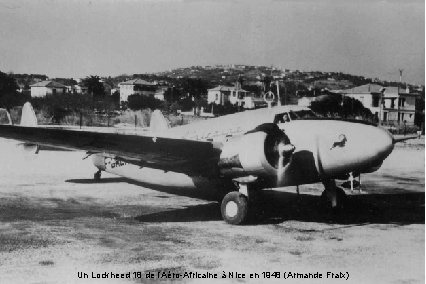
(382, 144)
(378, 144)
(357, 148)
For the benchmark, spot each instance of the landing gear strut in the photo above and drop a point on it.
(97, 175)
(333, 196)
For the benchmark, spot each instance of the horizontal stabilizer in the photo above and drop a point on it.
(5, 117)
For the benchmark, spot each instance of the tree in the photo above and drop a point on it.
(419, 117)
(9, 96)
(337, 106)
(136, 102)
(194, 87)
(59, 105)
(95, 87)
(266, 80)
(115, 98)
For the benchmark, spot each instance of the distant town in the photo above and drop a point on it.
(201, 92)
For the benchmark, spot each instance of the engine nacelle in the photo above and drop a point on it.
(264, 151)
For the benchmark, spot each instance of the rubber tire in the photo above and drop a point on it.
(242, 208)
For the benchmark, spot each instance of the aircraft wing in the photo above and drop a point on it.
(179, 155)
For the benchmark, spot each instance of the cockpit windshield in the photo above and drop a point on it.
(302, 114)
(294, 115)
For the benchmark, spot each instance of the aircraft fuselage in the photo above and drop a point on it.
(324, 149)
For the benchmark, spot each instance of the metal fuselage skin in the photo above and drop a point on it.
(322, 154)
(325, 149)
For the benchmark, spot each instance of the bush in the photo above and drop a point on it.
(137, 102)
(141, 118)
(227, 108)
(174, 107)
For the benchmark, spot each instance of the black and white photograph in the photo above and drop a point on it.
(212, 141)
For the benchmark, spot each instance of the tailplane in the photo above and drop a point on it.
(5, 117)
(159, 123)
(28, 117)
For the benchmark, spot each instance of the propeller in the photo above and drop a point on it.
(285, 152)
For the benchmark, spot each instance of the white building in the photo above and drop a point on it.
(222, 94)
(136, 87)
(77, 89)
(398, 104)
(43, 88)
(160, 92)
(305, 101)
(252, 102)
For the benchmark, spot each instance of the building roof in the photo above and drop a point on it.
(364, 89)
(375, 88)
(137, 82)
(226, 89)
(49, 84)
(396, 90)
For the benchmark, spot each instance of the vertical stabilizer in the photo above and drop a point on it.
(5, 117)
(28, 117)
(158, 122)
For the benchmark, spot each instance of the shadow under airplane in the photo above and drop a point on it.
(274, 207)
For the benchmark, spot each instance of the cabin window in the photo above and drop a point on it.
(302, 114)
(294, 115)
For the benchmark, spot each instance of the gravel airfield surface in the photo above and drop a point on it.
(56, 224)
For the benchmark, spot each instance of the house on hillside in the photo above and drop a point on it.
(160, 93)
(398, 104)
(77, 89)
(136, 86)
(49, 87)
(222, 94)
(305, 101)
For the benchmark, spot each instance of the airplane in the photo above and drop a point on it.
(238, 154)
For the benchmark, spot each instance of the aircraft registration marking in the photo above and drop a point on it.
(113, 163)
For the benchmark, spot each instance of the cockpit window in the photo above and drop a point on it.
(282, 118)
(303, 114)
(294, 115)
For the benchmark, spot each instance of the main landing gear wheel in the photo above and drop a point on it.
(234, 208)
(97, 175)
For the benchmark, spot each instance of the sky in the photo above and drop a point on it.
(76, 38)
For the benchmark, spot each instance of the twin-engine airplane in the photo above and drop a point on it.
(239, 153)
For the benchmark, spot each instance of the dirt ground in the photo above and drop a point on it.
(56, 222)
